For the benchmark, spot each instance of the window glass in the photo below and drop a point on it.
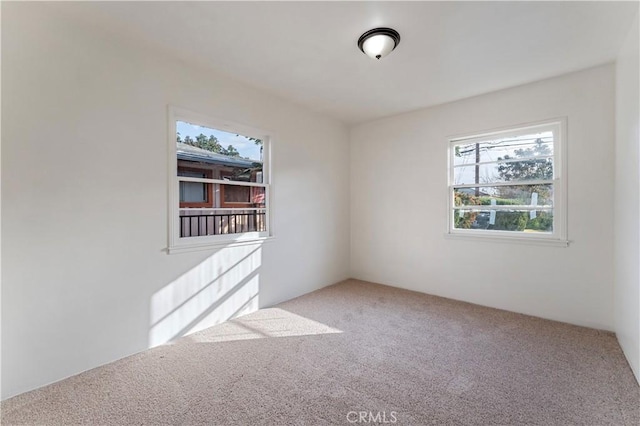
(221, 186)
(507, 182)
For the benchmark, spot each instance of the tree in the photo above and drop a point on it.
(230, 151)
(466, 220)
(534, 166)
(210, 143)
(532, 169)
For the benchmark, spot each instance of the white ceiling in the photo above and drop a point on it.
(306, 51)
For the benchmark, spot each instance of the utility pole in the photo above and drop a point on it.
(477, 169)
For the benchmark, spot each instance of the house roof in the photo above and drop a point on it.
(193, 153)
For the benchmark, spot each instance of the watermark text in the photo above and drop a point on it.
(374, 417)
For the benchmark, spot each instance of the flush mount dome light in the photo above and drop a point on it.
(378, 42)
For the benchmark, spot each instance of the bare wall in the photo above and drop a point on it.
(85, 277)
(399, 204)
(627, 200)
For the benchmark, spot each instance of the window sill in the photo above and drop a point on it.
(509, 239)
(217, 245)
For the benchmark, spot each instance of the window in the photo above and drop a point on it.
(509, 184)
(219, 182)
(194, 194)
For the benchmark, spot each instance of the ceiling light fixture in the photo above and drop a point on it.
(378, 42)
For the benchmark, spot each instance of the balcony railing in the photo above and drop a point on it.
(195, 223)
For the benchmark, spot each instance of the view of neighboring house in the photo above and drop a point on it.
(208, 208)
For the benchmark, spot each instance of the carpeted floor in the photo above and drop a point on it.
(356, 353)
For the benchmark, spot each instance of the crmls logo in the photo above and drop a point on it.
(371, 417)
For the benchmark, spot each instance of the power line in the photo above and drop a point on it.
(497, 145)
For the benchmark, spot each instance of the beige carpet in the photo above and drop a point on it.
(356, 347)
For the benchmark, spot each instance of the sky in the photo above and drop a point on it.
(246, 147)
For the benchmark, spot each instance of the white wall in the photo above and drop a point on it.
(85, 277)
(399, 214)
(627, 201)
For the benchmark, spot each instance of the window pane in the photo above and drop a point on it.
(218, 141)
(241, 196)
(215, 172)
(504, 220)
(218, 154)
(520, 195)
(236, 194)
(193, 192)
(535, 169)
(532, 145)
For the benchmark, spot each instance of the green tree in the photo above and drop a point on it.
(230, 151)
(534, 166)
(510, 221)
(466, 220)
(209, 143)
(531, 169)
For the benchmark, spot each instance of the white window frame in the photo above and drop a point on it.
(559, 236)
(177, 244)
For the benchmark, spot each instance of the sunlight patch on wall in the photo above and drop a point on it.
(221, 287)
(273, 322)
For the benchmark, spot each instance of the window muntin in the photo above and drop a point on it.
(509, 183)
(220, 182)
